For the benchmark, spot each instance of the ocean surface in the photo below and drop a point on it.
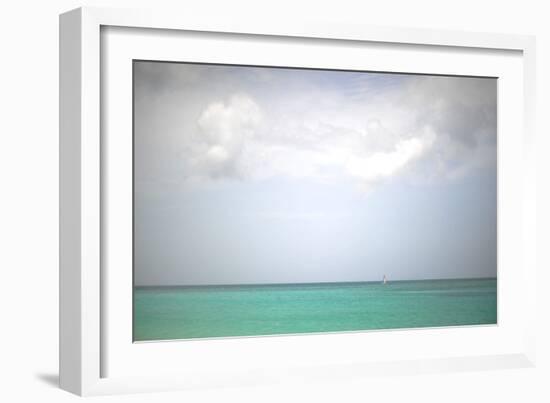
(164, 313)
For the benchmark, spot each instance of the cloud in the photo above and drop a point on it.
(384, 164)
(255, 124)
(224, 130)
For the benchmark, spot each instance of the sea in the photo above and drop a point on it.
(191, 312)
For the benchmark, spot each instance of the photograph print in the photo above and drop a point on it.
(278, 200)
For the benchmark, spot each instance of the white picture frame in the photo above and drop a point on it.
(95, 359)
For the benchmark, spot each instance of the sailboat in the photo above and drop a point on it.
(384, 281)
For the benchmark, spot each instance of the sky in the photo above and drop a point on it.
(247, 175)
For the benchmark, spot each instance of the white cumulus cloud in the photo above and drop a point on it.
(224, 130)
(384, 164)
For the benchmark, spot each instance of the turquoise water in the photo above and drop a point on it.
(163, 313)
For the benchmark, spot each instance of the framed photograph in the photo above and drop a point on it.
(272, 200)
(244, 203)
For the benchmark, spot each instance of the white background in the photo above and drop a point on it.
(28, 203)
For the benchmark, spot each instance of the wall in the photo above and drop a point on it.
(28, 206)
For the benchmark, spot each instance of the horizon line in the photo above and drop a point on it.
(313, 282)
